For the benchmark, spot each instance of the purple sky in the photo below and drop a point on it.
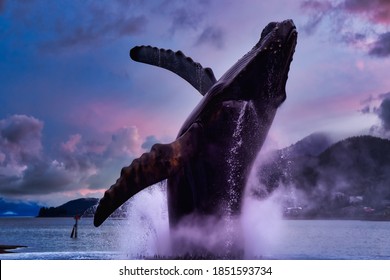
(74, 108)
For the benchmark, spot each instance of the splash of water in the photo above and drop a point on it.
(233, 195)
(262, 218)
(233, 161)
(146, 229)
(262, 226)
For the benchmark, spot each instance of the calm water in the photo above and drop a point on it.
(49, 238)
(335, 240)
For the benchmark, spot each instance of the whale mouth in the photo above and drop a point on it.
(291, 42)
(291, 38)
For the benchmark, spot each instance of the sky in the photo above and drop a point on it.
(74, 108)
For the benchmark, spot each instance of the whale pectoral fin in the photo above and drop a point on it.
(200, 78)
(161, 162)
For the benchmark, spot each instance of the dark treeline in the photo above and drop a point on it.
(69, 209)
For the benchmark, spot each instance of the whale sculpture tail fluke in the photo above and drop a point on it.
(161, 162)
(202, 79)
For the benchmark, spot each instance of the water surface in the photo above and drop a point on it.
(49, 238)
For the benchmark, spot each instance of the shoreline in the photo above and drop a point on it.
(366, 219)
(4, 249)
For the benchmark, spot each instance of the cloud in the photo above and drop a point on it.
(381, 48)
(320, 9)
(376, 11)
(149, 142)
(92, 33)
(20, 139)
(213, 36)
(24, 168)
(78, 163)
(365, 109)
(80, 25)
(38, 178)
(192, 17)
(348, 23)
(125, 142)
(27, 169)
(89, 33)
(71, 144)
(183, 18)
(379, 106)
(95, 165)
(185, 15)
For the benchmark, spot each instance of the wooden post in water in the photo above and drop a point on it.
(74, 230)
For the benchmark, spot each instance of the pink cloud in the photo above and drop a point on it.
(358, 23)
(376, 11)
(326, 107)
(106, 117)
(70, 145)
(124, 142)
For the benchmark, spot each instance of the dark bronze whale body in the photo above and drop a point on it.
(208, 164)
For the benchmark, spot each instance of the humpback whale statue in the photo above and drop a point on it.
(208, 164)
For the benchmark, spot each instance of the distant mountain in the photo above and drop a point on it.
(311, 145)
(17, 208)
(277, 164)
(348, 179)
(69, 209)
